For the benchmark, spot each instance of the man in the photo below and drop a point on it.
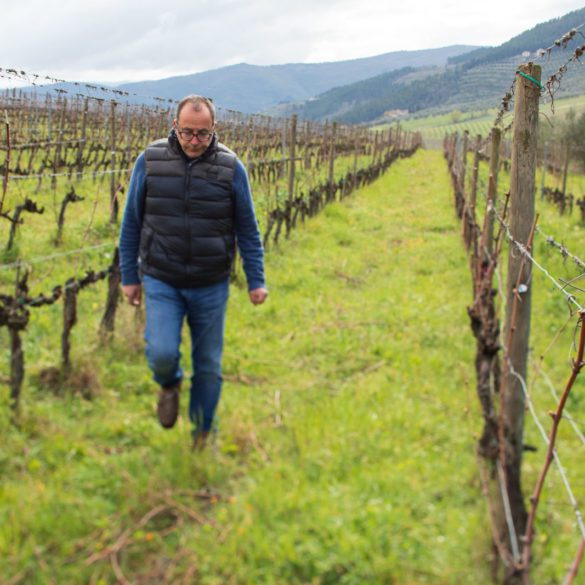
(188, 203)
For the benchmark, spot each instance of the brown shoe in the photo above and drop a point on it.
(200, 440)
(168, 405)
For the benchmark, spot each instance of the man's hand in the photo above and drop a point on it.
(133, 292)
(258, 296)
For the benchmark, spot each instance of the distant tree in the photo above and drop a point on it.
(574, 135)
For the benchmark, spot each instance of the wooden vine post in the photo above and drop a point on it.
(519, 285)
(69, 321)
(356, 146)
(492, 192)
(469, 225)
(6, 175)
(389, 143)
(460, 196)
(81, 143)
(16, 364)
(114, 280)
(375, 153)
(543, 175)
(58, 147)
(49, 105)
(15, 316)
(565, 174)
(283, 149)
(291, 171)
(128, 138)
(308, 138)
(114, 204)
(332, 162)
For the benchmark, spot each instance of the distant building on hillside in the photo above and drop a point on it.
(394, 114)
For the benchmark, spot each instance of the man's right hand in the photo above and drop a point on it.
(133, 292)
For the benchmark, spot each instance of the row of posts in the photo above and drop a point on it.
(501, 443)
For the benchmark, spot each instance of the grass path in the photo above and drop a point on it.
(346, 450)
(366, 340)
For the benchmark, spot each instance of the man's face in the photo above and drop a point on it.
(193, 122)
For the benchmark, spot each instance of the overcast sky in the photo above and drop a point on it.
(119, 40)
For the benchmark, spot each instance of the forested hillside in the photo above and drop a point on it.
(539, 37)
(474, 82)
(254, 88)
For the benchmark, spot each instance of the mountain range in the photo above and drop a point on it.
(255, 88)
(380, 88)
(473, 80)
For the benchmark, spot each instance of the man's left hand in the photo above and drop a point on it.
(258, 296)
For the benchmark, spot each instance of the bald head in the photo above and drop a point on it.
(198, 103)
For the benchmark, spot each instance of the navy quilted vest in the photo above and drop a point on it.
(187, 237)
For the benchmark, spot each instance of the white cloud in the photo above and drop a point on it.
(114, 40)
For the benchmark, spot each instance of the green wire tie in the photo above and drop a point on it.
(526, 76)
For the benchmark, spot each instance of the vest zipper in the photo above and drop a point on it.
(187, 218)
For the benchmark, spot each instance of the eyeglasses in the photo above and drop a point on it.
(201, 135)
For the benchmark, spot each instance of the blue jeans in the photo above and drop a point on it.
(205, 308)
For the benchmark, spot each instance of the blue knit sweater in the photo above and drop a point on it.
(246, 226)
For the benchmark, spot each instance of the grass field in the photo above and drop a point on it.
(347, 426)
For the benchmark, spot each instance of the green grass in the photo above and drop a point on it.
(347, 424)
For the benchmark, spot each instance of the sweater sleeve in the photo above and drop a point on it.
(132, 223)
(247, 232)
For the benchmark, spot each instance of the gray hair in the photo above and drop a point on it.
(197, 101)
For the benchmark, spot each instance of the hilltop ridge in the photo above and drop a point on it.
(473, 80)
